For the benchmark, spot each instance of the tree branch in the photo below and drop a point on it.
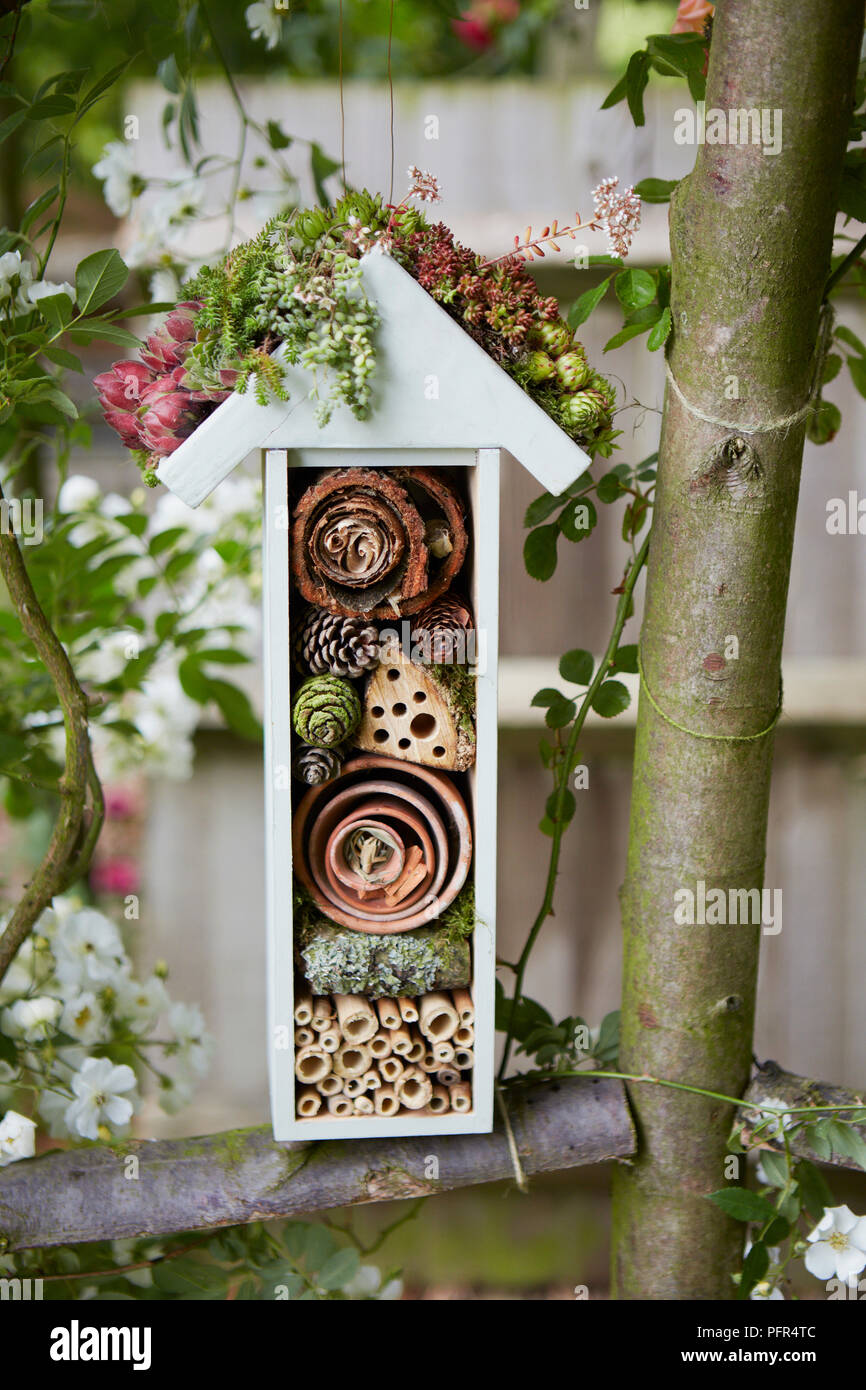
(75, 833)
(244, 1175)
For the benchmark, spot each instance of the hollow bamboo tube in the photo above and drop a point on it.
(352, 1059)
(330, 1038)
(380, 1046)
(408, 1010)
(464, 1058)
(322, 1007)
(330, 1085)
(463, 1004)
(303, 1008)
(429, 1063)
(390, 1068)
(309, 1101)
(385, 1101)
(304, 1037)
(440, 1101)
(401, 1041)
(321, 1022)
(461, 1096)
(372, 1080)
(353, 1086)
(447, 1076)
(389, 1013)
(444, 1053)
(416, 1054)
(363, 1105)
(464, 1036)
(439, 1018)
(356, 1018)
(340, 1105)
(311, 1064)
(414, 1088)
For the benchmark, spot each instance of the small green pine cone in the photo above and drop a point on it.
(326, 710)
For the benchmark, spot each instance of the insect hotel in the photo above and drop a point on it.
(381, 577)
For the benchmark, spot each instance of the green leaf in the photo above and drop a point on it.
(583, 307)
(660, 331)
(577, 666)
(776, 1168)
(755, 1266)
(625, 658)
(616, 94)
(743, 1205)
(568, 809)
(61, 358)
(813, 1188)
(11, 124)
(539, 551)
(655, 190)
(846, 1142)
(636, 79)
(545, 697)
(857, 368)
(100, 330)
(832, 367)
(55, 105)
(188, 1278)
(824, 424)
(225, 656)
(845, 335)
(339, 1269)
(635, 289)
(607, 1047)
(610, 699)
(98, 278)
(542, 507)
(277, 137)
(56, 309)
(322, 166)
(578, 518)
(560, 714)
(236, 710)
(8, 1051)
(609, 488)
(164, 540)
(631, 330)
(319, 1246)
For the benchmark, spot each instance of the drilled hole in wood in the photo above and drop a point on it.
(393, 674)
(377, 711)
(423, 726)
(419, 697)
(399, 709)
(404, 743)
(381, 736)
(438, 751)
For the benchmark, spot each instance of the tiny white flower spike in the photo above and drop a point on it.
(838, 1245)
(17, 1138)
(100, 1090)
(121, 184)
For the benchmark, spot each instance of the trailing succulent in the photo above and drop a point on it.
(298, 284)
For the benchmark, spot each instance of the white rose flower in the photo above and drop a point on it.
(44, 289)
(77, 493)
(17, 1138)
(120, 182)
(100, 1097)
(263, 22)
(88, 949)
(31, 1019)
(140, 1002)
(82, 1018)
(838, 1245)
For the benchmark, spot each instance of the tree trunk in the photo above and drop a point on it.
(751, 236)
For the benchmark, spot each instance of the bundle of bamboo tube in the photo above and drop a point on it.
(354, 1056)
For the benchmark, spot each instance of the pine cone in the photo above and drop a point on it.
(329, 645)
(326, 711)
(317, 765)
(439, 633)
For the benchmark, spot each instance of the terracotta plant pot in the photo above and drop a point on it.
(402, 801)
(348, 888)
(352, 878)
(322, 808)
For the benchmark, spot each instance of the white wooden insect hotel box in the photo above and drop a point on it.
(381, 830)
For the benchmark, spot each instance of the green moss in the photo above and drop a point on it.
(458, 685)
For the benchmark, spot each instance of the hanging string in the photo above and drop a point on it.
(513, 1151)
(391, 97)
(342, 108)
(695, 733)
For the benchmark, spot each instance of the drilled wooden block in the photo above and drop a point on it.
(407, 715)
